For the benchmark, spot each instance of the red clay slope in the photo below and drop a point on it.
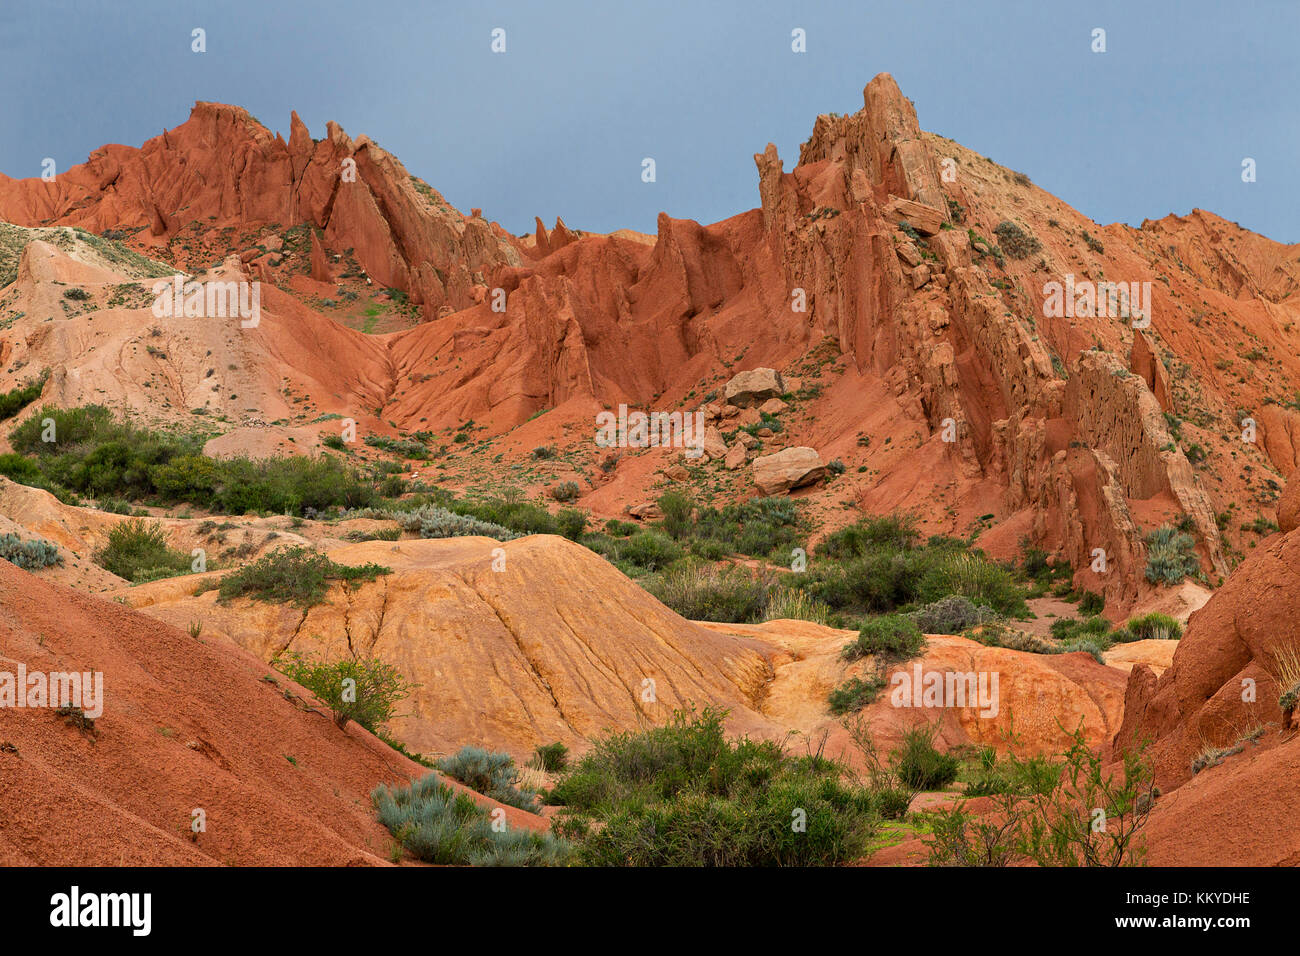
(186, 724)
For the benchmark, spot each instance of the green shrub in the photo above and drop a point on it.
(855, 693)
(95, 454)
(492, 774)
(677, 511)
(137, 550)
(1171, 556)
(571, 523)
(919, 765)
(364, 690)
(1146, 627)
(552, 758)
(298, 575)
(685, 795)
(1094, 646)
(974, 577)
(1067, 628)
(619, 529)
(889, 638)
(1092, 603)
(15, 400)
(437, 825)
(896, 531)
(649, 550)
(334, 441)
(29, 555)
(704, 592)
(1016, 242)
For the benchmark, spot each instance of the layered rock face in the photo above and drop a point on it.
(509, 645)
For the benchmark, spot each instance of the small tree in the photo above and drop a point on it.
(366, 690)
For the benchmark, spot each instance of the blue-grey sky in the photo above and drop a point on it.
(560, 122)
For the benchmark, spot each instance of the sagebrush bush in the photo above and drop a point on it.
(365, 690)
(437, 825)
(951, 615)
(29, 555)
(1171, 556)
(491, 773)
(1095, 646)
(566, 491)
(432, 521)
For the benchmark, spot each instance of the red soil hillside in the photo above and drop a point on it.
(186, 724)
(1078, 433)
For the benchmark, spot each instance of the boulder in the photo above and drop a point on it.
(920, 276)
(924, 219)
(908, 252)
(773, 406)
(788, 469)
(754, 387)
(713, 444)
(736, 456)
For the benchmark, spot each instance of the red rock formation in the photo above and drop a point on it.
(222, 168)
(993, 407)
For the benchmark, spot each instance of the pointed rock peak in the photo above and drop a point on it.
(889, 112)
(299, 135)
(560, 235)
(543, 241)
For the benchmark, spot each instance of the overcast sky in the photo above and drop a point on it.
(560, 122)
